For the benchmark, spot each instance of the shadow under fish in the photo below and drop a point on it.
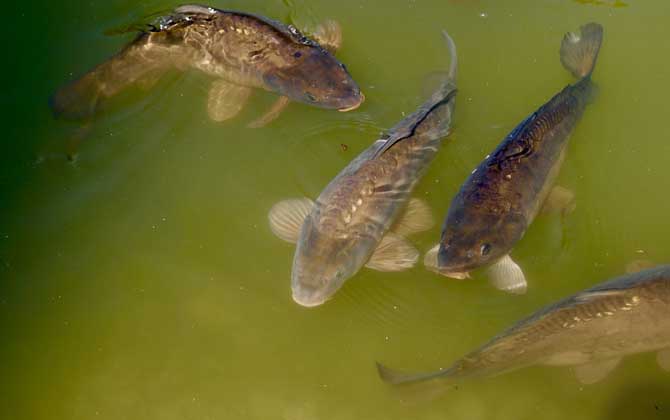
(357, 219)
(591, 331)
(241, 51)
(502, 196)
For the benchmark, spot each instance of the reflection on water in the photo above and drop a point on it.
(142, 281)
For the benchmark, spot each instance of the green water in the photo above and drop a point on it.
(142, 281)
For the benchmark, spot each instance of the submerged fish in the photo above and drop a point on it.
(242, 51)
(591, 330)
(351, 224)
(502, 196)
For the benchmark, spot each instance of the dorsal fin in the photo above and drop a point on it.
(446, 92)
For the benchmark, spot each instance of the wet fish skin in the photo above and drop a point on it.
(624, 316)
(502, 196)
(241, 48)
(353, 214)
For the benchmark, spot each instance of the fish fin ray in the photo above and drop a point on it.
(329, 35)
(430, 259)
(396, 377)
(506, 275)
(579, 52)
(663, 359)
(393, 253)
(226, 100)
(275, 110)
(560, 200)
(417, 218)
(591, 373)
(287, 216)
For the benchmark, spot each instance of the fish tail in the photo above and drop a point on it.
(579, 52)
(395, 377)
(78, 99)
(453, 58)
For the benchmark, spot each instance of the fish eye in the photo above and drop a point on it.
(485, 249)
(297, 54)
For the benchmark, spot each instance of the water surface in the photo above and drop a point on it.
(142, 280)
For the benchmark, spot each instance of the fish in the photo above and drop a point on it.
(591, 331)
(358, 218)
(240, 51)
(500, 199)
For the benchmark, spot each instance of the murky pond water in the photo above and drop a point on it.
(142, 280)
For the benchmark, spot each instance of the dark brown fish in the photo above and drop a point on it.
(502, 196)
(241, 51)
(591, 330)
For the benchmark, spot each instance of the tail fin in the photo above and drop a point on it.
(395, 377)
(453, 58)
(579, 52)
(77, 100)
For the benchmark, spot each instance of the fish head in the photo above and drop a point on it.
(472, 239)
(324, 259)
(311, 75)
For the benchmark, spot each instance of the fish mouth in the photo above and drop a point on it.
(306, 301)
(458, 275)
(356, 105)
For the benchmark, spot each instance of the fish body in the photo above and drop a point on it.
(239, 50)
(502, 196)
(351, 218)
(591, 330)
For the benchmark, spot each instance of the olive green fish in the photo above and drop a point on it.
(358, 219)
(591, 330)
(241, 51)
(502, 196)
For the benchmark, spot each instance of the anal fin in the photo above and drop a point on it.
(416, 218)
(393, 253)
(506, 275)
(226, 100)
(591, 373)
(287, 216)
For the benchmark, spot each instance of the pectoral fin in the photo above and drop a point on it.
(287, 216)
(506, 275)
(329, 35)
(596, 371)
(394, 253)
(560, 200)
(663, 359)
(226, 100)
(416, 218)
(430, 262)
(638, 265)
(280, 104)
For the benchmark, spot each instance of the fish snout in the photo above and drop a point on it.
(352, 104)
(307, 297)
(451, 263)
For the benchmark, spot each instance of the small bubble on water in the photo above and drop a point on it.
(483, 15)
